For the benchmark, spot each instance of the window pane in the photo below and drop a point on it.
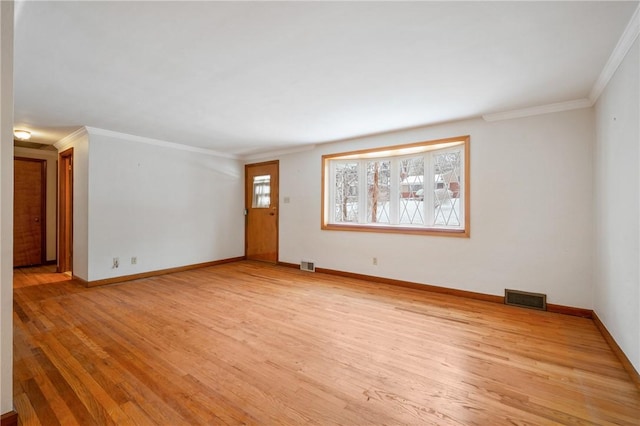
(261, 192)
(346, 195)
(411, 191)
(447, 188)
(378, 185)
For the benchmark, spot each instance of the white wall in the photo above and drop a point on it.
(168, 207)
(617, 183)
(6, 206)
(52, 169)
(531, 212)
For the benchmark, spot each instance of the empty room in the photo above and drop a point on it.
(349, 213)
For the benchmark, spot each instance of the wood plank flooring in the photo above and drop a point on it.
(37, 275)
(251, 343)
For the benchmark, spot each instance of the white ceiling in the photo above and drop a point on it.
(242, 77)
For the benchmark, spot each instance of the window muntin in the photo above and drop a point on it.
(417, 188)
(446, 190)
(411, 194)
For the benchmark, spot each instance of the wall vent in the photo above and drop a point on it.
(525, 299)
(305, 265)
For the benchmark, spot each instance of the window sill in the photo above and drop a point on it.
(439, 232)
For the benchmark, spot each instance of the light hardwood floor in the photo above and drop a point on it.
(251, 343)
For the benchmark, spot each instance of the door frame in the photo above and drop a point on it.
(65, 209)
(247, 205)
(43, 204)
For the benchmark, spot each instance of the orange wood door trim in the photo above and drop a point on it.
(65, 211)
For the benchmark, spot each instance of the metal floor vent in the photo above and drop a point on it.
(525, 299)
(307, 266)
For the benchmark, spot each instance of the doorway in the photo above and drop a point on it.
(65, 211)
(261, 211)
(29, 211)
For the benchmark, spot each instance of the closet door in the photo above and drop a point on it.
(29, 211)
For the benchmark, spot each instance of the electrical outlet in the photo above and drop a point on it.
(375, 261)
(134, 260)
(116, 263)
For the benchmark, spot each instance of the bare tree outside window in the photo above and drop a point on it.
(378, 185)
(346, 202)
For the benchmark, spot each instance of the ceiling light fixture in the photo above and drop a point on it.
(23, 135)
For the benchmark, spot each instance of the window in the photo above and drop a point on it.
(261, 192)
(421, 188)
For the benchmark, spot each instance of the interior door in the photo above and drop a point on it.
(261, 204)
(65, 211)
(29, 213)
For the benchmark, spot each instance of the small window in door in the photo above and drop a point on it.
(261, 192)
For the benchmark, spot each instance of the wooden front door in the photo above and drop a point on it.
(29, 215)
(65, 211)
(261, 204)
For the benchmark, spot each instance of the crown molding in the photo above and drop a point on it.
(538, 110)
(250, 157)
(71, 138)
(158, 142)
(617, 56)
